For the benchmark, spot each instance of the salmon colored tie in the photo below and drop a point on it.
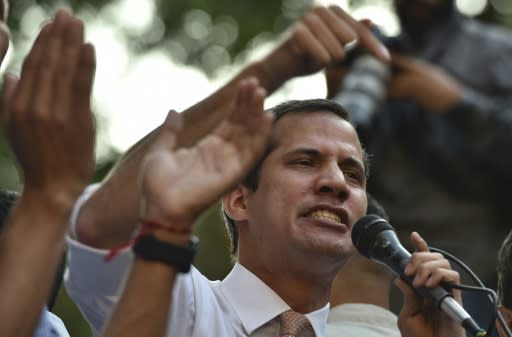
(294, 324)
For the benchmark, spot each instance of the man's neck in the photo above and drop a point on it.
(302, 290)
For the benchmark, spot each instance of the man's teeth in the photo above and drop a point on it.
(325, 215)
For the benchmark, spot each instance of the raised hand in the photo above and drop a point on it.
(177, 186)
(318, 40)
(420, 317)
(46, 114)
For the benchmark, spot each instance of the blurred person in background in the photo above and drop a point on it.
(440, 137)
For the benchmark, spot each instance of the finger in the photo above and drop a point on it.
(82, 84)
(365, 36)
(244, 89)
(427, 269)
(306, 42)
(318, 23)
(173, 122)
(172, 126)
(442, 276)
(412, 301)
(342, 31)
(47, 71)
(249, 111)
(418, 259)
(260, 120)
(419, 243)
(23, 95)
(10, 83)
(367, 23)
(68, 64)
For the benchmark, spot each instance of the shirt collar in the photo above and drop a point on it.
(256, 304)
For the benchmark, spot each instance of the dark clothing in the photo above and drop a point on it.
(447, 175)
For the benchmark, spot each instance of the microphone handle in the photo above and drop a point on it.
(397, 261)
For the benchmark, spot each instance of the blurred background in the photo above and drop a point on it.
(156, 55)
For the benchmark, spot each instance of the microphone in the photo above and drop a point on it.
(376, 239)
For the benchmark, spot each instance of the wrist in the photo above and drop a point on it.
(57, 199)
(56, 204)
(161, 232)
(169, 233)
(273, 71)
(178, 256)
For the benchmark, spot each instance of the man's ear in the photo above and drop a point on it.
(507, 315)
(235, 203)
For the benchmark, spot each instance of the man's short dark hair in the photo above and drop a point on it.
(504, 270)
(279, 111)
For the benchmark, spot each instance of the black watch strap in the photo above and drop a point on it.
(148, 247)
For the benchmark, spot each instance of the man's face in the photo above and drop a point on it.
(311, 190)
(418, 16)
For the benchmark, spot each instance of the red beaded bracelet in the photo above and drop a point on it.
(145, 227)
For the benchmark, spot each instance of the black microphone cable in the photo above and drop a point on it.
(491, 294)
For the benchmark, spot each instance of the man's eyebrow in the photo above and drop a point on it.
(302, 151)
(353, 162)
(312, 152)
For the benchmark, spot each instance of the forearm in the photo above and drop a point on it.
(143, 309)
(31, 247)
(108, 218)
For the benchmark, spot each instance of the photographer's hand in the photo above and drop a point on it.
(426, 84)
(321, 38)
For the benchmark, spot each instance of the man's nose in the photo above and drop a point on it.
(332, 182)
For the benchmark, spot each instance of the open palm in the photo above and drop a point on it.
(178, 185)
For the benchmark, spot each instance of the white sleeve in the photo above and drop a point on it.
(95, 285)
(86, 194)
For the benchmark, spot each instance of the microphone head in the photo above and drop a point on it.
(365, 231)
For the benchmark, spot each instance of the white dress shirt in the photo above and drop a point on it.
(361, 320)
(240, 305)
(50, 326)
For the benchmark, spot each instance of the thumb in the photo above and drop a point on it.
(171, 127)
(412, 301)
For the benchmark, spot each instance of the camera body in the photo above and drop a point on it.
(365, 85)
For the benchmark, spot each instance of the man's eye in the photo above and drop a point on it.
(354, 176)
(303, 162)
